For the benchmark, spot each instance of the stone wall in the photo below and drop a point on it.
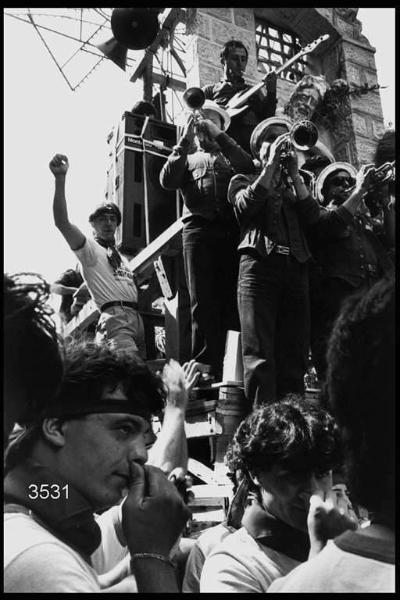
(347, 54)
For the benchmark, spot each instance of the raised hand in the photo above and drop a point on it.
(326, 520)
(154, 513)
(208, 128)
(364, 178)
(59, 165)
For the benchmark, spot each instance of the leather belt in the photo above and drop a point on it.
(119, 303)
(281, 249)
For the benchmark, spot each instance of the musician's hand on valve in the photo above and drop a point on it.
(364, 178)
(209, 128)
(292, 163)
(277, 148)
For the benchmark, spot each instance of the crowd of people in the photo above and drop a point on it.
(296, 253)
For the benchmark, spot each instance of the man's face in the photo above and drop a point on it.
(105, 226)
(273, 132)
(286, 495)
(336, 188)
(303, 103)
(98, 450)
(235, 63)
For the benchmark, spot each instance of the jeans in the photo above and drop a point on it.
(274, 311)
(121, 327)
(211, 267)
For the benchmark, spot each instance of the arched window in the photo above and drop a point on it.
(275, 46)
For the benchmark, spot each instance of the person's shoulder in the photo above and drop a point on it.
(242, 179)
(212, 537)
(37, 561)
(238, 544)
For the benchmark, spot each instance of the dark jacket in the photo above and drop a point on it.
(203, 178)
(268, 218)
(349, 247)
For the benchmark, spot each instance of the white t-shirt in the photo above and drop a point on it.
(203, 546)
(335, 570)
(35, 561)
(104, 283)
(240, 564)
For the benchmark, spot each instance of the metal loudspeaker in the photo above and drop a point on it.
(135, 28)
(115, 52)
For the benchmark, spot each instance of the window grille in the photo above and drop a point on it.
(274, 47)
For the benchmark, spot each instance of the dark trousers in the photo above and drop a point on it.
(211, 268)
(274, 313)
(327, 297)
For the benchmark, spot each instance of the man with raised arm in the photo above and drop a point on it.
(107, 274)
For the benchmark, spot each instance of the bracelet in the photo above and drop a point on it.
(151, 555)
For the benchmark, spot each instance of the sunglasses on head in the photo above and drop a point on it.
(344, 181)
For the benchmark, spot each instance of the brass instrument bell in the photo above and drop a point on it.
(304, 135)
(194, 98)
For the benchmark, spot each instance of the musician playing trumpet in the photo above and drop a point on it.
(201, 166)
(350, 246)
(273, 208)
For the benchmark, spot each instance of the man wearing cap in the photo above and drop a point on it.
(210, 233)
(273, 208)
(234, 57)
(107, 274)
(349, 246)
(79, 454)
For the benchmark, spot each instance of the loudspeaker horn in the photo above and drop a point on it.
(113, 50)
(135, 28)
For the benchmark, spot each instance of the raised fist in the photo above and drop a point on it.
(59, 165)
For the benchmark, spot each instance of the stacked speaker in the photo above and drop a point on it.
(139, 148)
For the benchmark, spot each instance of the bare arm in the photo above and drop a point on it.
(74, 236)
(170, 449)
(62, 290)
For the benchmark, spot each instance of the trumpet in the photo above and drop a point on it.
(383, 174)
(373, 197)
(194, 99)
(303, 136)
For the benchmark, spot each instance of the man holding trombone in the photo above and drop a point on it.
(201, 166)
(273, 209)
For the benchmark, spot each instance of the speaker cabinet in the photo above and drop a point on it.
(139, 151)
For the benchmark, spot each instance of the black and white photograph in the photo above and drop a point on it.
(199, 300)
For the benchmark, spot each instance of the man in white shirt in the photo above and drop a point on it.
(78, 455)
(287, 450)
(107, 274)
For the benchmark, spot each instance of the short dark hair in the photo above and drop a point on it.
(142, 107)
(89, 367)
(230, 45)
(293, 433)
(106, 208)
(32, 358)
(361, 392)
